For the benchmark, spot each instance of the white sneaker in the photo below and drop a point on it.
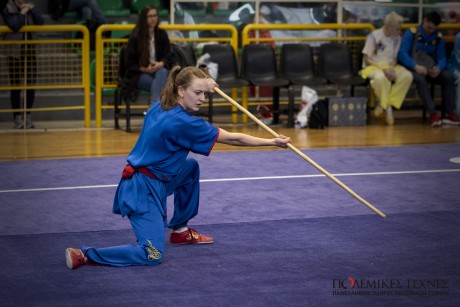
(18, 122)
(29, 122)
(378, 111)
(389, 116)
(389, 120)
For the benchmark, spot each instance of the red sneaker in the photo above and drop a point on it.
(74, 258)
(451, 119)
(435, 120)
(190, 236)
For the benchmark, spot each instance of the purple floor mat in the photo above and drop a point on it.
(406, 260)
(86, 204)
(285, 234)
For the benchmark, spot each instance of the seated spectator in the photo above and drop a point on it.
(148, 56)
(453, 66)
(423, 52)
(22, 61)
(389, 80)
(88, 9)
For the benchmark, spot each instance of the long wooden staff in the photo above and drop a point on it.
(322, 170)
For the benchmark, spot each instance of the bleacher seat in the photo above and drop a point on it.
(138, 5)
(112, 8)
(258, 66)
(228, 75)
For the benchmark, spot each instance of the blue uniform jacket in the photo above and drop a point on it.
(165, 141)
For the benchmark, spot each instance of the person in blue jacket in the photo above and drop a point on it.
(453, 66)
(158, 166)
(423, 52)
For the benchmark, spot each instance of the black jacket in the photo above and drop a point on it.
(57, 8)
(162, 52)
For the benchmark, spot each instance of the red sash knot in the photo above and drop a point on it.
(129, 171)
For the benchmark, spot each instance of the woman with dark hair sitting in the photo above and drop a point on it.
(148, 56)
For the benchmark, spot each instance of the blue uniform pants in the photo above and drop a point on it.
(149, 226)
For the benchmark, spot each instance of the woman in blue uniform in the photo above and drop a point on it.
(158, 167)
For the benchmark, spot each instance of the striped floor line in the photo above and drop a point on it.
(245, 179)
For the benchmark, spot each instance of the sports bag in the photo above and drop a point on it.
(319, 115)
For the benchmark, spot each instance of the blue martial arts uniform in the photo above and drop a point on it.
(165, 141)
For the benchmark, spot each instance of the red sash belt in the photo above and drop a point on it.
(129, 171)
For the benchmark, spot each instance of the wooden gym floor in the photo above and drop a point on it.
(57, 140)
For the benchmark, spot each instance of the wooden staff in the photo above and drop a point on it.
(305, 157)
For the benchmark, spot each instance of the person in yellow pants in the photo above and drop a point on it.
(389, 80)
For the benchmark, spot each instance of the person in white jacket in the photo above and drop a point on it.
(389, 80)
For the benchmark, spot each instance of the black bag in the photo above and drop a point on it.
(424, 59)
(182, 55)
(319, 115)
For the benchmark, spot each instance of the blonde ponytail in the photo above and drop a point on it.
(178, 77)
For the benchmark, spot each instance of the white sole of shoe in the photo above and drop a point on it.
(68, 259)
(450, 122)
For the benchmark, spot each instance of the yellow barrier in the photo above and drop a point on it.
(443, 26)
(341, 35)
(107, 54)
(58, 56)
(61, 64)
(245, 39)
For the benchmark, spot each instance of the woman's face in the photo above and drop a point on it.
(152, 18)
(193, 96)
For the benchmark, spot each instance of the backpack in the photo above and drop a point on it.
(182, 55)
(319, 115)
